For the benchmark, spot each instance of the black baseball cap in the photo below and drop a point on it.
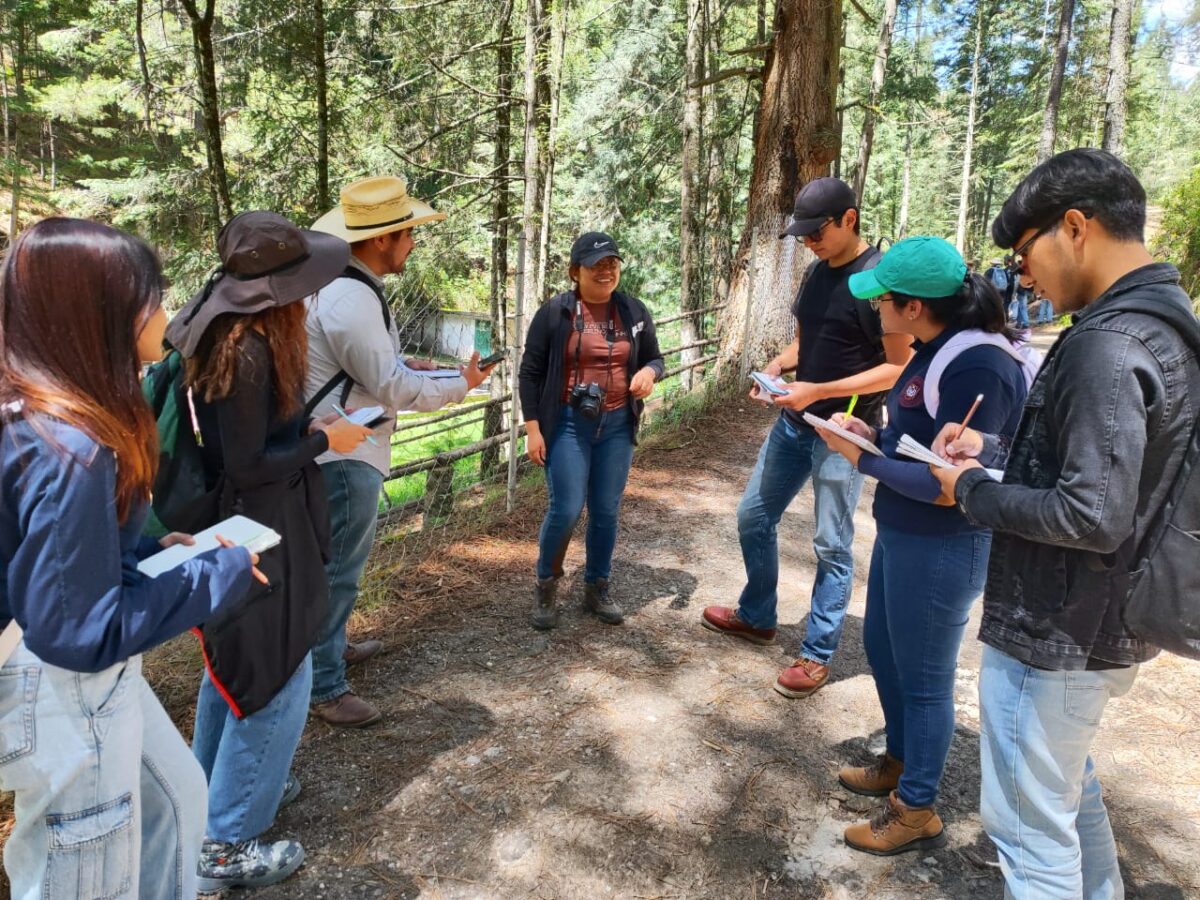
(591, 247)
(819, 200)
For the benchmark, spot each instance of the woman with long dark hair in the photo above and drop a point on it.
(109, 803)
(929, 563)
(245, 349)
(591, 359)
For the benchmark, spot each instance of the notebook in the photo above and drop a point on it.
(818, 422)
(768, 383)
(244, 532)
(915, 450)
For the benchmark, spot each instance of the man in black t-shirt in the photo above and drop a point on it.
(839, 351)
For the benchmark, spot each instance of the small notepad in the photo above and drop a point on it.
(818, 422)
(244, 532)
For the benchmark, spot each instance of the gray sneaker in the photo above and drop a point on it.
(597, 601)
(291, 790)
(248, 864)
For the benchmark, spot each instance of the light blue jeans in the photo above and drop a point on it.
(247, 760)
(353, 488)
(109, 803)
(788, 458)
(1040, 797)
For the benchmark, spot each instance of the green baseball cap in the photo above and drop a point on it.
(917, 266)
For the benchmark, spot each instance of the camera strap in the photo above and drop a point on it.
(610, 336)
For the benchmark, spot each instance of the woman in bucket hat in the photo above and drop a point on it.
(929, 563)
(243, 340)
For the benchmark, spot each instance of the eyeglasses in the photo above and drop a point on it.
(1017, 266)
(815, 236)
(877, 302)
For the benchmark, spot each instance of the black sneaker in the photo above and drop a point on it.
(597, 601)
(248, 864)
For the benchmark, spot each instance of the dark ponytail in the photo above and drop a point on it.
(977, 304)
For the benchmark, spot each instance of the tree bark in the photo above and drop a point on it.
(691, 284)
(1054, 94)
(323, 199)
(558, 37)
(883, 48)
(797, 140)
(719, 207)
(147, 88)
(1118, 76)
(536, 122)
(964, 196)
(206, 77)
(17, 109)
(493, 421)
(906, 182)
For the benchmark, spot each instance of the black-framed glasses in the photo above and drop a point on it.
(877, 302)
(1017, 266)
(816, 235)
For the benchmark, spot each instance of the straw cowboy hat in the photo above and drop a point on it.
(375, 206)
(265, 261)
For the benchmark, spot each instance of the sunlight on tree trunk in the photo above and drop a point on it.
(1118, 76)
(537, 99)
(964, 195)
(1054, 94)
(882, 49)
(206, 77)
(691, 288)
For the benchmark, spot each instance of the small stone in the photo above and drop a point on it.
(493, 752)
(930, 861)
(472, 760)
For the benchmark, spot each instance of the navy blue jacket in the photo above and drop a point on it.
(68, 569)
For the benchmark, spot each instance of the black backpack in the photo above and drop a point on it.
(1163, 605)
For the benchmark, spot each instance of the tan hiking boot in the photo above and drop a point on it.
(876, 780)
(897, 829)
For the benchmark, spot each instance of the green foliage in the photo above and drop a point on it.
(1179, 239)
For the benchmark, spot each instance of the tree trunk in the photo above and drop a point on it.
(558, 29)
(147, 89)
(719, 207)
(18, 111)
(536, 120)
(53, 156)
(883, 48)
(1054, 94)
(323, 199)
(797, 141)
(964, 196)
(1118, 76)
(493, 419)
(206, 76)
(691, 287)
(906, 183)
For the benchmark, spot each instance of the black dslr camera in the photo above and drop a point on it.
(588, 399)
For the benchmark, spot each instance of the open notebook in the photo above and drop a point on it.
(244, 532)
(818, 422)
(915, 450)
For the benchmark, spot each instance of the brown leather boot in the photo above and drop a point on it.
(802, 678)
(876, 780)
(897, 829)
(347, 711)
(356, 654)
(545, 612)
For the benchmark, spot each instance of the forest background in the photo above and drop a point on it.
(681, 126)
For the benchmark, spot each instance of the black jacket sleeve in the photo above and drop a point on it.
(250, 458)
(649, 353)
(531, 377)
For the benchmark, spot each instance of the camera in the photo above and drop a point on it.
(588, 399)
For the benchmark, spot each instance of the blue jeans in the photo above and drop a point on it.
(109, 803)
(1040, 797)
(247, 760)
(1045, 312)
(788, 457)
(585, 462)
(919, 597)
(353, 490)
(1021, 313)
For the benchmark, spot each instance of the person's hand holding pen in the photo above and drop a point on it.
(960, 445)
(343, 435)
(254, 569)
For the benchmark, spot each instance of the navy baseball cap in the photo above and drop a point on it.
(591, 247)
(818, 201)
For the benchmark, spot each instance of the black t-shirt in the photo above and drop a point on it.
(839, 336)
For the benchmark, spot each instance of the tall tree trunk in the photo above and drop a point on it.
(883, 47)
(558, 37)
(147, 88)
(1118, 76)
(964, 196)
(719, 207)
(797, 141)
(206, 76)
(18, 113)
(906, 183)
(1066, 15)
(691, 286)
(536, 120)
(53, 156)
(493, 419)
(323, 199)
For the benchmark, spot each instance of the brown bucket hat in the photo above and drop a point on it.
(265, 261)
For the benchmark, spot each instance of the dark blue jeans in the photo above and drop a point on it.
(352, 487)
(919, 596)
(788, 458)
(585, 462)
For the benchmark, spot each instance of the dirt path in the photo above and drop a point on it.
(654, 760)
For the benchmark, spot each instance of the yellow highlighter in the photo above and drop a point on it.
(850, 408)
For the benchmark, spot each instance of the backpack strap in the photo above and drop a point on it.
(355, 274)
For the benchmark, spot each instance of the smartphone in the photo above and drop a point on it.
(489, 361)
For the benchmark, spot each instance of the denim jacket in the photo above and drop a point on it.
(1102, 436)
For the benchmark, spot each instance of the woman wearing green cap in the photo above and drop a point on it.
(929, 563)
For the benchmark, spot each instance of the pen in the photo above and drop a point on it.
(970, 412)
(853, 400)
(341, 412)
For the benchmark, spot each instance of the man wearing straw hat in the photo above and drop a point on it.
(354, 362)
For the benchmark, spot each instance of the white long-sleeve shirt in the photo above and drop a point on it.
(346, 332)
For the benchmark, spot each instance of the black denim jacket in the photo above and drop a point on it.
(1102, 436)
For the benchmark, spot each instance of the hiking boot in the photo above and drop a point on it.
(545, 613)
(724, 620)
(354, 654)
(876, 780)
(347, 711)
(291, 790)
(248, 864)
(597, 601)
(803, 677)
(897, 829)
